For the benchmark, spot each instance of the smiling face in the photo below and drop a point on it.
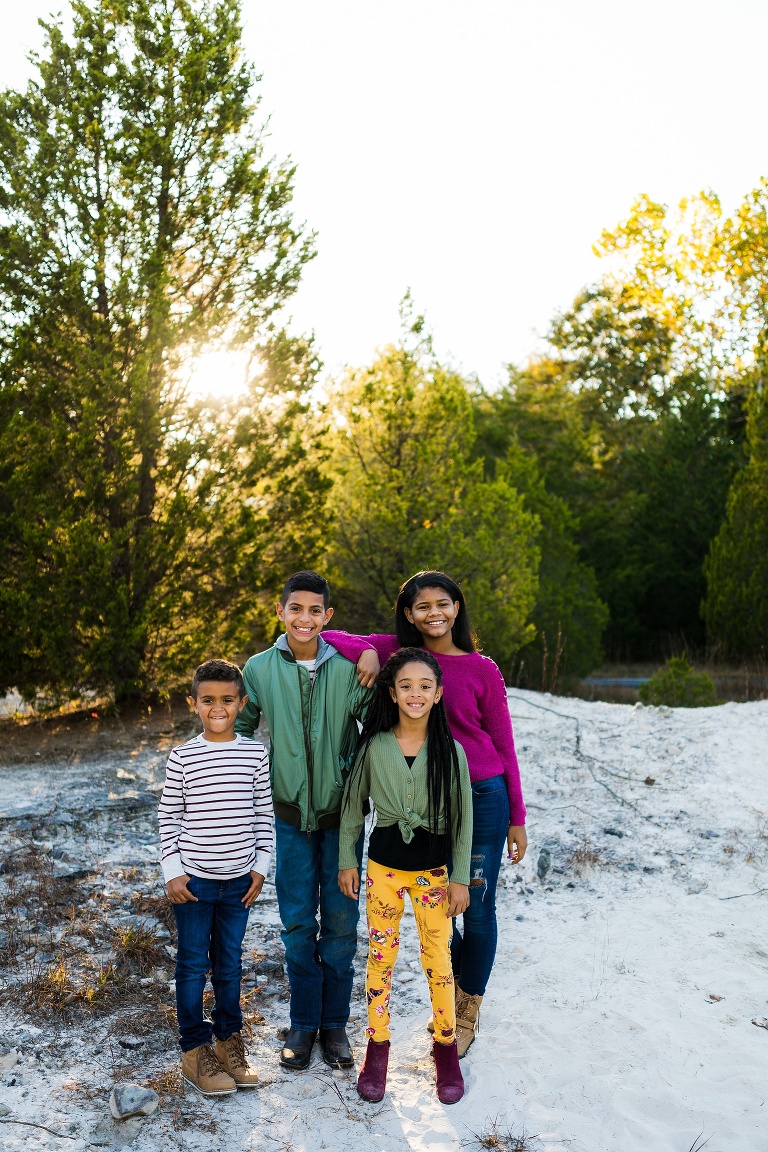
(304, 615)
(415, 691)
(433, 612)
(218, 703)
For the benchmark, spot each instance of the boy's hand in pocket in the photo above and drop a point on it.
(178, 892)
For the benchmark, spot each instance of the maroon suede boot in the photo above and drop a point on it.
(372, 1081)
(450, 1082)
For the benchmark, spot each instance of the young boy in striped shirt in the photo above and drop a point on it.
(217, 835)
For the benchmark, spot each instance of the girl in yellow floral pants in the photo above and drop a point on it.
(416, 778)
(386, 889)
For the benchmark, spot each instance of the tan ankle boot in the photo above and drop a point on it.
(467, 1019)
(200, 1067)
(233, 1059)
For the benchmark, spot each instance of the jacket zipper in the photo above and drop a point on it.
(307, 734)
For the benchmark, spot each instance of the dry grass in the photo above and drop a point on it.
(584, 856)
(152, 904)
(252, 1017)
(146, 1021)
(53, 988)
(168, 1084)
(138, 947)
(499, 1139)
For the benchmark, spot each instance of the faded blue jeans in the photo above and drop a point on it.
(473, 949)
(319, 956)
(210, 939)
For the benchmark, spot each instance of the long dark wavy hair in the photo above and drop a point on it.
(442, 758)
(408, 634)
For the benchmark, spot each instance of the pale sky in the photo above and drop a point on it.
(474, 151)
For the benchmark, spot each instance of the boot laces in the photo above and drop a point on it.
(209, 1061)
(236, 1050)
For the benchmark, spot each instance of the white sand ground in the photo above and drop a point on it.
(599, 1030)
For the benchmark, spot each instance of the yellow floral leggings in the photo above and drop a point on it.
(385, 902)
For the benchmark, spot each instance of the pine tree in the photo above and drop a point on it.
(139, 223)
(736, 605)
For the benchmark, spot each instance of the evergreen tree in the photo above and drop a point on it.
(407, 496)
(139, 223)
(531, 434)
(736, 605)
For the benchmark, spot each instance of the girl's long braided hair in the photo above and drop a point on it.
(442, 758)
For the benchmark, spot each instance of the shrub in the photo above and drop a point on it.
(677, 685)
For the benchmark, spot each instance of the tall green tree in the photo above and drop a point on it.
(736, 605)
(407, 495)
(532, 434)
(646, 358)
(139, 222)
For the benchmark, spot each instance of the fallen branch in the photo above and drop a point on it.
(757, 893)
(30, 1124)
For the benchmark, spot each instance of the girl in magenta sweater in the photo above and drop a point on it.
(431, 612)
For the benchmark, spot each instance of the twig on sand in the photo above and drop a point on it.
(352, 1115)
(588, 761)
(30, 1124)
(740, 894)
(696, 1146)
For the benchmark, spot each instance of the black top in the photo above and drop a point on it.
(388, 848)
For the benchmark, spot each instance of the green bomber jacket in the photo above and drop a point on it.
(312, 726)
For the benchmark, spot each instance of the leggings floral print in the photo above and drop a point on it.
(385, 902)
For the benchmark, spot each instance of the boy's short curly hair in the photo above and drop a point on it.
(223, 670)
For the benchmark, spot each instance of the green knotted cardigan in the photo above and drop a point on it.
(399, 795)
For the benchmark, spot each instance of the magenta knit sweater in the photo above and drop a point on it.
(476, 704)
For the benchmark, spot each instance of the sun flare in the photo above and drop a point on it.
(217, 374)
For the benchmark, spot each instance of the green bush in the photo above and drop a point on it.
(677, 685)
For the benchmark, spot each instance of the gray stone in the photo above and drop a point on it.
(5, 1110)
(269, 968)
(110, 1134)
(543, 866)
(128, 1100)
(8, 1060)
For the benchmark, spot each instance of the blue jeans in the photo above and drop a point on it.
(319, 958)
(473, 950)
(210, 939)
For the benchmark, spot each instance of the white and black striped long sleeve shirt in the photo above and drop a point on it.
(216, 817)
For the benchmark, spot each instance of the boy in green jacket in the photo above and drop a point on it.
(311, 699)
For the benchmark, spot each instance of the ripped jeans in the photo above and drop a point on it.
(473, 949)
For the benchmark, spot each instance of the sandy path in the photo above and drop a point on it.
(598, 1030)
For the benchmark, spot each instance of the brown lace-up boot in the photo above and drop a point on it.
(200, 1067)
(233, 1059)
(467, 1019)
